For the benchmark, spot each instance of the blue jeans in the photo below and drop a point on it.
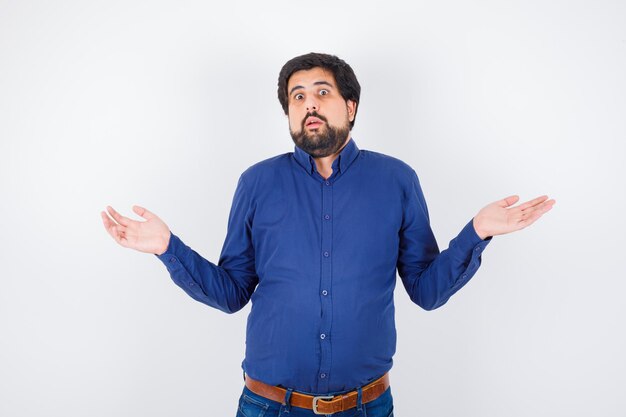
(254, 405)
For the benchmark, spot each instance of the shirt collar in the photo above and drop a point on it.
(343, 160)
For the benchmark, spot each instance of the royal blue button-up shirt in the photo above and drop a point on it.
(317, 258)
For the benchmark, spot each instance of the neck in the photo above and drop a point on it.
(324, 164)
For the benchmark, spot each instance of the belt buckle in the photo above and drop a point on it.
(320, 397)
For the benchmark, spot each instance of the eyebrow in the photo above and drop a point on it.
(315, 83)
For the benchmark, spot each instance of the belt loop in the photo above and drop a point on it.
(287, 400)
(359, 403)
(359, 399)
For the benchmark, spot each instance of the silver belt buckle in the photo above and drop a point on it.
(321, 397)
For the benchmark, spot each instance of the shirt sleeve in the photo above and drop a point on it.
(431, 277)
(228, 285)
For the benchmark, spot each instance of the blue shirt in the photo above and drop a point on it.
(317, 258)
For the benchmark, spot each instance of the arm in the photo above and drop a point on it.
(228, 285)
(431, 277)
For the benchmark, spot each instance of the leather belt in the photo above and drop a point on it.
(321, 404)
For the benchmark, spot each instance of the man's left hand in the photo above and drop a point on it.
(499, 218)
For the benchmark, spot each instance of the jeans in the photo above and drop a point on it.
(254, 405)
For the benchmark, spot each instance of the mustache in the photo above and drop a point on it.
(314, 114)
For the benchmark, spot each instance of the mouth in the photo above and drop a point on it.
(313, 122)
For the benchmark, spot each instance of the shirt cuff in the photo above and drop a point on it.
(468, 241)
(176, 250)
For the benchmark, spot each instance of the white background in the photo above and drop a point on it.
(164, 104)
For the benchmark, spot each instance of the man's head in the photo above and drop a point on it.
(320, 94)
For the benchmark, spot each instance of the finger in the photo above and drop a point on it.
(506, 202)
(115, 230)
(106, 220)
(541, 208)
(536, 213)
(125, 221)
(109, 224)
(532, 202)
(546, 206)
(120, 238)
(550, 203)
(525, 214)
(143, 212)
(519, 216)
(529, 220)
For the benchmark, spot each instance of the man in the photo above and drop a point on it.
(314, 240)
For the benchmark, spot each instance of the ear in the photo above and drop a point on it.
(351, 106)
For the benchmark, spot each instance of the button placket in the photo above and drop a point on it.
(325, 285)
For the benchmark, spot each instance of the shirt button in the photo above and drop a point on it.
(322, 375)
(326, 254)
(327, 217)
(464, 276)
(324, 292)
(327, 182)
(172, 260)
(477, 249)
(191, 284)
(322, 336)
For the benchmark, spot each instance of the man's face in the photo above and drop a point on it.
(319, 118)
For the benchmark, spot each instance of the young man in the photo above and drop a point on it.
(314, 240)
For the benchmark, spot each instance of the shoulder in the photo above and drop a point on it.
(388, 165)
(266, 169)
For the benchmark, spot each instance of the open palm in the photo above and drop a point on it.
(499, 218)
(151, 236)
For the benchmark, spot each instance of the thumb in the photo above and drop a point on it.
(143, 212)
(510, 200)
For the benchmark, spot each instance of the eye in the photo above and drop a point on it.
(298, 96)
(324, 92)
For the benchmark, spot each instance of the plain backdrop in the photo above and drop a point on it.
(165, 103)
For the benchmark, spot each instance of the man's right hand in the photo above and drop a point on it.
(151, 236)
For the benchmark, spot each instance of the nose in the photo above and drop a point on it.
(311, 103)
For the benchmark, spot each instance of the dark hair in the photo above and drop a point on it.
(347, 83)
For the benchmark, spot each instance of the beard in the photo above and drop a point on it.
(324, 141)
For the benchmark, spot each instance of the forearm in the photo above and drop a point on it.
(203, 280)
(448, 271)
